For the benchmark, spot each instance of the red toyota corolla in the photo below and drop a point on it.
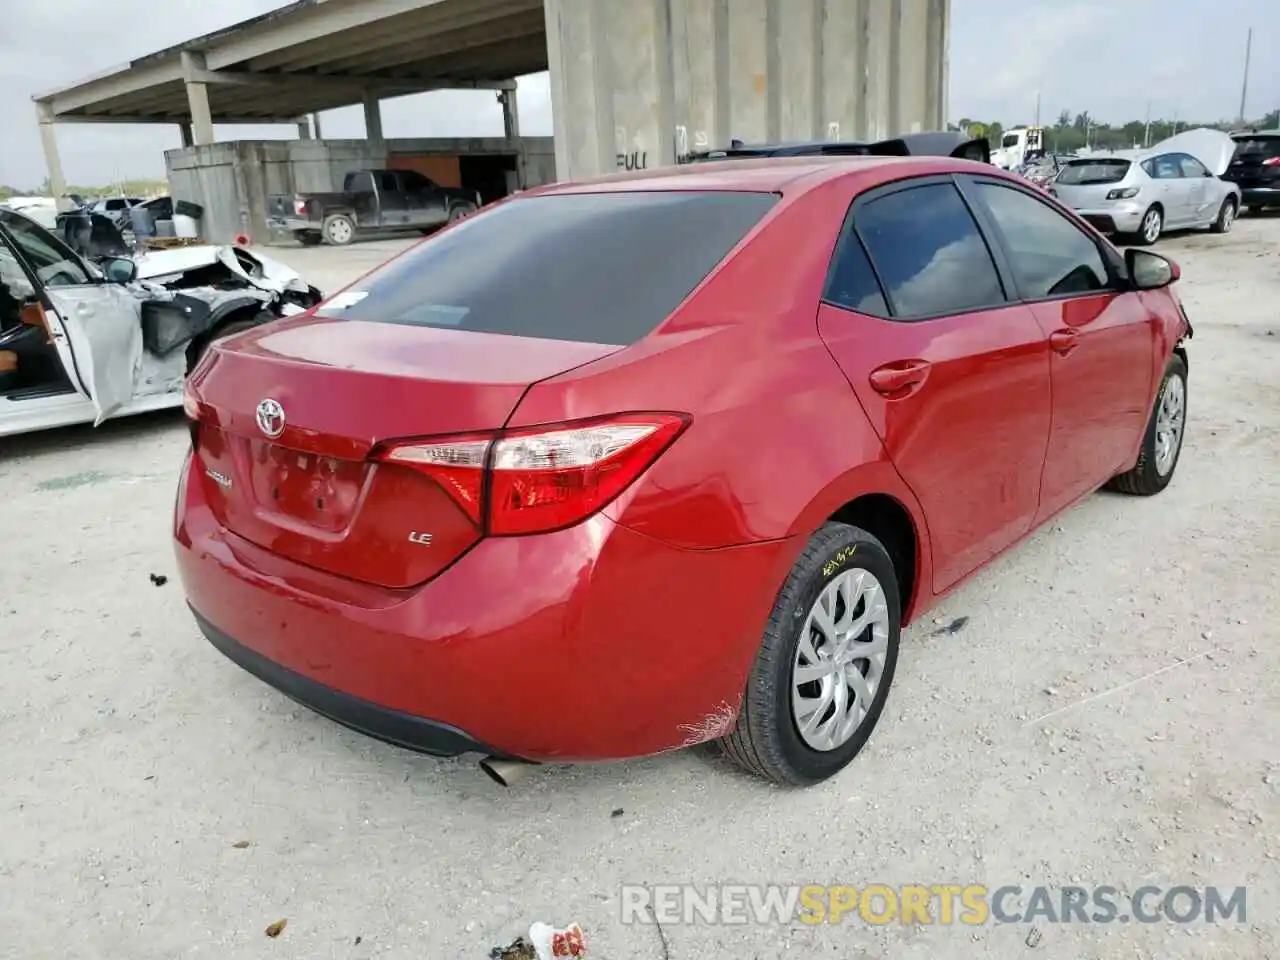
(619, 467)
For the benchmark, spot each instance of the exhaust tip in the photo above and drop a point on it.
(504, 772)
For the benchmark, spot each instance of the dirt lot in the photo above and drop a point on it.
(1051, 740)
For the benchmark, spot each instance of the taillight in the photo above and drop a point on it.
(300, 207)
(543, 478)
(1271, 162)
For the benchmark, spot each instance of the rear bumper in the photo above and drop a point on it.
(382, 723)
(1122, 218)
(590, 643)
(292, 224)
(1260, 196)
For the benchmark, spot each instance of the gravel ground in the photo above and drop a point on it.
(1050, 740)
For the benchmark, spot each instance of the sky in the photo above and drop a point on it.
(1110, 57)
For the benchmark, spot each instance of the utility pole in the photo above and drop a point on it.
(1244, 84)
(1146, 136)
(1037, 108)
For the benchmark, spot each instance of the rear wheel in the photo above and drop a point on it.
(461, 210)
(1151, 228)
(1226, 217)
(339, 229)
(1162, 443)
(827, 660)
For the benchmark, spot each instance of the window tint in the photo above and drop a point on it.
(927, 249)
(1083, 172)
(1191, 167)
(851, 283)
(596, 268)
(416, 181)
(1164, 167)
(116, 204)
(1257, 148)
(388, 183)
(52, 261)
(15, 287)
(1049, 255)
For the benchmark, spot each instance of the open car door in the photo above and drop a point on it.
(103, 326)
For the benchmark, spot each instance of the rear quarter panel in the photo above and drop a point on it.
(778, 441)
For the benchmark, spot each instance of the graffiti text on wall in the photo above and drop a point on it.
(635, 160)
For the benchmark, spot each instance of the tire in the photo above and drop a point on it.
(768, 740)
(309, 238)
(460, 211)
(1255, 209)
(197, 348)
(1151, 228)
(1156, 462)
(339, 229)
(1226, 217)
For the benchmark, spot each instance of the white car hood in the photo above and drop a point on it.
(259, 271)
(1213, 148)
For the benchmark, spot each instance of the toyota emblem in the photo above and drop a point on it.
(271, 418)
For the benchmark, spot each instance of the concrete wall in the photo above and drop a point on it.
(634, 83)
(232, 181)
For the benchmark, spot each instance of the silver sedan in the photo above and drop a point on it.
(1175, 185)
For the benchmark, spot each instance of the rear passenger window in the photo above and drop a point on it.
(928, 253)
(851, 283)
(1050, 256)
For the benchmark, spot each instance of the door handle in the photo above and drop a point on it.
(902, 375)
(1063, 341)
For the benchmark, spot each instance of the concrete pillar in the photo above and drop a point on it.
(52, 161)
(510, 113)
(198, 98)
(660, 78)
(315, 127)
(372, 117)
(185, 130)
(304, 128)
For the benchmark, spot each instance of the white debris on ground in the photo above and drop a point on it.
(136, 759)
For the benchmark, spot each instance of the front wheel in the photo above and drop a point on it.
(826, 662)
(1162, 443)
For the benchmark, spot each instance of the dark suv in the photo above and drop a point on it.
(1256, 168)
(941, 143)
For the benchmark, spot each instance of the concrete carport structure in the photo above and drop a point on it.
(634, 83)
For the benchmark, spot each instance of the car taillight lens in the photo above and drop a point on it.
(1123, 194)
(300, 207)
(541, 479)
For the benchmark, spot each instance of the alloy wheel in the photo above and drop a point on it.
(839, 660)
(1170, 417)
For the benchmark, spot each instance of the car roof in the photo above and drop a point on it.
(766, 175)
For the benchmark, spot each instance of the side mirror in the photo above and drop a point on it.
(119, 269)
(1150, 271)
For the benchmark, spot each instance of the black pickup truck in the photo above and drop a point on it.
(370, 200)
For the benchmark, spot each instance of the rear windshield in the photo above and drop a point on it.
(594, 268)
(1257, 148)
(1083, 172)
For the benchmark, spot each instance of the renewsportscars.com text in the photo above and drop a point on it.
(928, 904)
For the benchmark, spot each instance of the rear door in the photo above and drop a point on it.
(94, 325)
(953, 376)
(1170, 189)
(394, 202)
(1100, 336)
(426, 200)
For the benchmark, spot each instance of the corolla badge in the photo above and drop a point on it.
(271, 418)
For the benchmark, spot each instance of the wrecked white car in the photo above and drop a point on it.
(83, 341)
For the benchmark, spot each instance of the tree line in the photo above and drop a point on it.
(1071, 132)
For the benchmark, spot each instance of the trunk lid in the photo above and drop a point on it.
(1213, 148)
(289, 414)
(1249, 166)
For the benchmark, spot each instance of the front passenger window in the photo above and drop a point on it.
(1049, 255)
(54, 263)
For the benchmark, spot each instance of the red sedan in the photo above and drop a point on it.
(619, 467)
